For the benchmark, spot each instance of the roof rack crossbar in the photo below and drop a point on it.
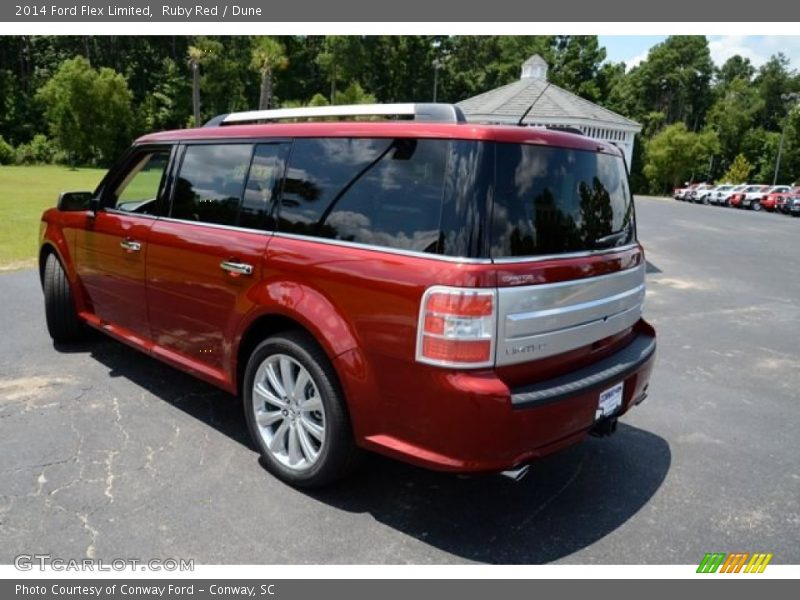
(430, 112)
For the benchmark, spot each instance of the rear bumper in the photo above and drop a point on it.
(473, 422)
(601, 374)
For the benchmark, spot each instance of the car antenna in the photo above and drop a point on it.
(535, 100)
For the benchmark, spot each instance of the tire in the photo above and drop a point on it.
(304, 436)
(756, 205)
(63, 323)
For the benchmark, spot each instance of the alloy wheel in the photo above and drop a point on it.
(289, 412)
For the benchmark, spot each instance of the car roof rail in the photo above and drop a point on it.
(427, 111)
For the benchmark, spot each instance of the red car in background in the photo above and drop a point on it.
(747, 195)
(780, 202)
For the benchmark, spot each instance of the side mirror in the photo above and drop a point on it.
(74, 201)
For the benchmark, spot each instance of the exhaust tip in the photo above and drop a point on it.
(516, 474)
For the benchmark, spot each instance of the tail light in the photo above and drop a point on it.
(457, 327)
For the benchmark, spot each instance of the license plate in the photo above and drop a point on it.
(610, 401)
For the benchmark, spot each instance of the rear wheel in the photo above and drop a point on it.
(756, 205)
(63, 323)
(296, 413)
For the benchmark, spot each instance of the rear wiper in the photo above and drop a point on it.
(609, 241)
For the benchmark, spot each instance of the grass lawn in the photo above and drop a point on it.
(24, 193)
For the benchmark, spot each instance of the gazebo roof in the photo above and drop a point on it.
(550, 103)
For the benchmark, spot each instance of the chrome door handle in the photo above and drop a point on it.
(130, 245)
(236, 268)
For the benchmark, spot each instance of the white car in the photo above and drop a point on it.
(721, 197)
(704, 196)
(698, 192)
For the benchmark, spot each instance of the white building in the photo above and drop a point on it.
(552, 106)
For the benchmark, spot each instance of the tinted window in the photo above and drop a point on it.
(210, 183)
(467, 198)
(268, 164)
(385, 192)
(554, 200)
(138, 190)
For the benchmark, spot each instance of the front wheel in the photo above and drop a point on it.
(756, 205)
(296, 413)
(63, 323)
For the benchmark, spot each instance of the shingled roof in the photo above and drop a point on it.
(554, 105)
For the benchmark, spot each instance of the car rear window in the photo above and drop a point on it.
(555, 200)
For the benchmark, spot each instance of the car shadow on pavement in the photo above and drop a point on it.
(194, 397)
(567, 502)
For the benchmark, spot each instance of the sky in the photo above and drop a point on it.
(758, 48)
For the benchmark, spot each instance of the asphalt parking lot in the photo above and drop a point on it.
(107, 453)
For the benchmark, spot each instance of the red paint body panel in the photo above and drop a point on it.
(195, 308)
(112, 276)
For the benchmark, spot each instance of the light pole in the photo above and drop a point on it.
(790, 99)
(437, 64)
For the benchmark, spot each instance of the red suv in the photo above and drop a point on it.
(466, 298)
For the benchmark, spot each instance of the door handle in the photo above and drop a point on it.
(130, 245)
(236, 268)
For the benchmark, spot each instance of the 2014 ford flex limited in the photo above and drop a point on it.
(463, 297)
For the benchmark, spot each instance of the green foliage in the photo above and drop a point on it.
(39, 151)
(7, 153)
(318, 100)
(772, 81)
(674, 80)
(736, 67)
(676, 154)
(732, 116)
(354, 94)
(168, 106)
(89, 111)
(739, 171)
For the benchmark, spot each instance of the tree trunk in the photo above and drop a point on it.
(264, 97)
(333, 83)
(196, 92)
(269, 89)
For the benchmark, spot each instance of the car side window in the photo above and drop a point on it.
(210, 183)
(266, 171)
(381, 192)
(139, 189)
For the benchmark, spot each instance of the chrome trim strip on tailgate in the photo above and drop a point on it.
(544, 320)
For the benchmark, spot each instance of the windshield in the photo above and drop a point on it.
(557, 200)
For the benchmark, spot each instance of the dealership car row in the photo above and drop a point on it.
(775, 198)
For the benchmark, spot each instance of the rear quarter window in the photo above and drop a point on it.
(381, 192)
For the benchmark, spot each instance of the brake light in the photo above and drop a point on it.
(457, 327)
